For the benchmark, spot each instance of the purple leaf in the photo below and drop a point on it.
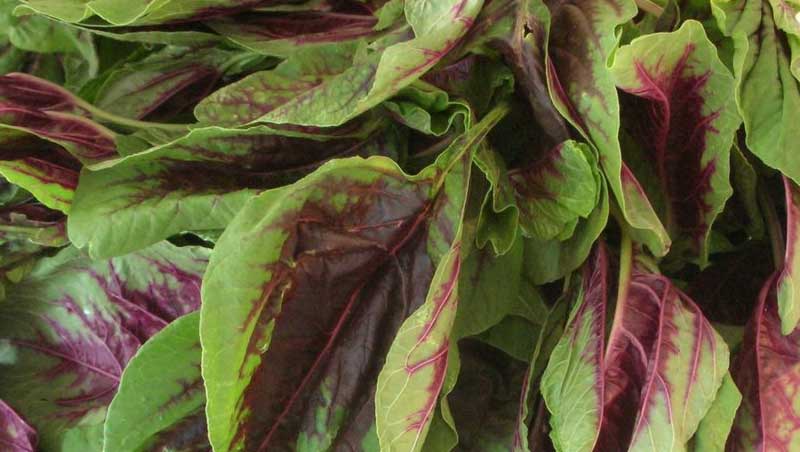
(71, 326)
(681, 120)
(15, 434)
(767, 371)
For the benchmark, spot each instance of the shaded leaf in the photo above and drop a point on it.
(788, 284)
(281, 33)
(765, 371)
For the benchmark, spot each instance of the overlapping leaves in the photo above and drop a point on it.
(399, 225)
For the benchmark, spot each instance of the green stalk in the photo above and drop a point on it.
(774, 229)
(625, 265)
(473, 136)
(133, 123)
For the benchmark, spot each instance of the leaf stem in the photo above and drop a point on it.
(471, 137)
(774, 229)
(625, 266)
(134, 123)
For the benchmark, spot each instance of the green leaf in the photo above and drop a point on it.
(256, 95)
(160, 400)
(15, 434)
(549, 260)
(498, 222)
(369, 79)
(200, 181)
(681, 121)
(427, 109)
(788, 283)
(556, 191)
(573, 383)
(583, 31)
(140, 12)
(410, 381)
(71, 325)
(762, 53)
(713, 430)
(490, 289)
(308, 277)
(174, 77)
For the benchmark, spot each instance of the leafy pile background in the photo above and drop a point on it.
(399, 225)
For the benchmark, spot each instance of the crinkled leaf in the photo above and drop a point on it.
(498, 222)
(159, 404)
(306, 279)
(580, 42)
(550, 260)
(681, 119)
(199, 182)
(427, 109)
(15, 434)
(70, 327)
(553, 193)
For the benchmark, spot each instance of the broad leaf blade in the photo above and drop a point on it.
(409, 383)
(676, 109)
(200, 181)
(664, 362)
(71, 325)
(368, 80)
(581, 39)
(762, 53)
(573, 382)
(766, 371)
(366, 235)
(160, 399)
(713, 431)
(554, 192)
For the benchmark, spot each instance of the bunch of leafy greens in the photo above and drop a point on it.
(399, 225)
